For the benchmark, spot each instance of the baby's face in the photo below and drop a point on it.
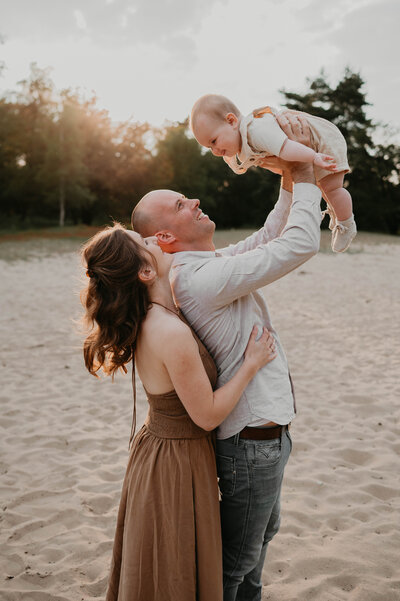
(222, 137)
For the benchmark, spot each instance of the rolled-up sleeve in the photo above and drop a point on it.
(223, 279)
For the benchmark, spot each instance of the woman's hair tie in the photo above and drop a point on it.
(90, 273)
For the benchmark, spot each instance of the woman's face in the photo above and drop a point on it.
(163, 260)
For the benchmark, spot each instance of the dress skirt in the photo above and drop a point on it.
(167, 543)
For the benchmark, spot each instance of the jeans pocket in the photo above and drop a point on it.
(226, 469)
(268, 452)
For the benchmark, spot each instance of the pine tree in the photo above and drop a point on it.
(373, 182)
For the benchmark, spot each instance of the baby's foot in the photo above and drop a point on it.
(342, 234)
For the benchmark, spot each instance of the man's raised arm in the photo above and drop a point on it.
(224, 279)
(296, 128)
(273, 226)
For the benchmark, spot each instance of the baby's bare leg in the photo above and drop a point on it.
(337, 196)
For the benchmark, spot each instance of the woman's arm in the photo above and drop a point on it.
(185, 368)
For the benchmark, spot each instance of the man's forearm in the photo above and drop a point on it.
(222, 281)
(303, 173)
(274, 223)
(277, 219)
(286, 181)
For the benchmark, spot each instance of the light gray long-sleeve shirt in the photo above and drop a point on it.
(217, 291)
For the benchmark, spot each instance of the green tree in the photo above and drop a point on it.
(179, 164)
(133, 165)
(231, 201)
(63, 173)
(372, 181)
(26, 116)
(12, 161)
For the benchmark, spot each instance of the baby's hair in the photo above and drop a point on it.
(214, 106)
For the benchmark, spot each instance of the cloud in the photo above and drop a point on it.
(168, 25)
(110, 21)
(80, 20)
(181, 51)
(153, 59)
(368, 42)
(322, 17)
(24, 19)
(369, 35)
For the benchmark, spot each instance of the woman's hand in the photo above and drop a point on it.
(259, 352)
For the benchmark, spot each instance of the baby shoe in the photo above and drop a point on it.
(342, 234)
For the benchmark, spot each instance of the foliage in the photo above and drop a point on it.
(63, 160)
(373, 181)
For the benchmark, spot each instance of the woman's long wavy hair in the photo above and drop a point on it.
(115, 300)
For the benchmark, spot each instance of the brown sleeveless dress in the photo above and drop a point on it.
(167, 543)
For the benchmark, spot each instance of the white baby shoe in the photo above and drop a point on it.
(342, 234)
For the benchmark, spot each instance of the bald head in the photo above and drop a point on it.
(177, 221)
(147, 217)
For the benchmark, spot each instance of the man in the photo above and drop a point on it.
(217, 292)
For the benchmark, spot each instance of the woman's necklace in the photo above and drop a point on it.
(170, 310)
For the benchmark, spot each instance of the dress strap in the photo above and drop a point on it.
(177, 312)
(133, 425)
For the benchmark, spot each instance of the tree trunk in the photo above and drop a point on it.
(61, 186)
(61, 196)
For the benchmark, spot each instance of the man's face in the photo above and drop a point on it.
(221, 137)
(192, 229)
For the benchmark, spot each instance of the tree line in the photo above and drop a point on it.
(62, 160)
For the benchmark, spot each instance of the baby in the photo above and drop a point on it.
(244, 142)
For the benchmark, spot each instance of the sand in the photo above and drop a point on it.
(64, 434)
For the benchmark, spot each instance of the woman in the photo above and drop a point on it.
(167, 545)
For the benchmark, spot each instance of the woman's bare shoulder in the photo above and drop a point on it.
(166, 328)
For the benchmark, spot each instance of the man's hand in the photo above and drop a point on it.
(281, 167)
(274, 164)
(296, 127)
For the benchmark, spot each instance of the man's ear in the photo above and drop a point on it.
(166, 240)
(231, 119)
(147, 274)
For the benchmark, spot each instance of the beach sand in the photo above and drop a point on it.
(64, 434)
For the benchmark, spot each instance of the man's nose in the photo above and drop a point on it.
(195, 203)
(216, 152)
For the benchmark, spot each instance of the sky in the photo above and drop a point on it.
(149, 60)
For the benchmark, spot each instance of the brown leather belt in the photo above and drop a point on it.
(262, 433)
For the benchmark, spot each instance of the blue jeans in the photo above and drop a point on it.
(250, 473)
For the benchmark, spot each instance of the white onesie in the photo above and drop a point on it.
(262, 137)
